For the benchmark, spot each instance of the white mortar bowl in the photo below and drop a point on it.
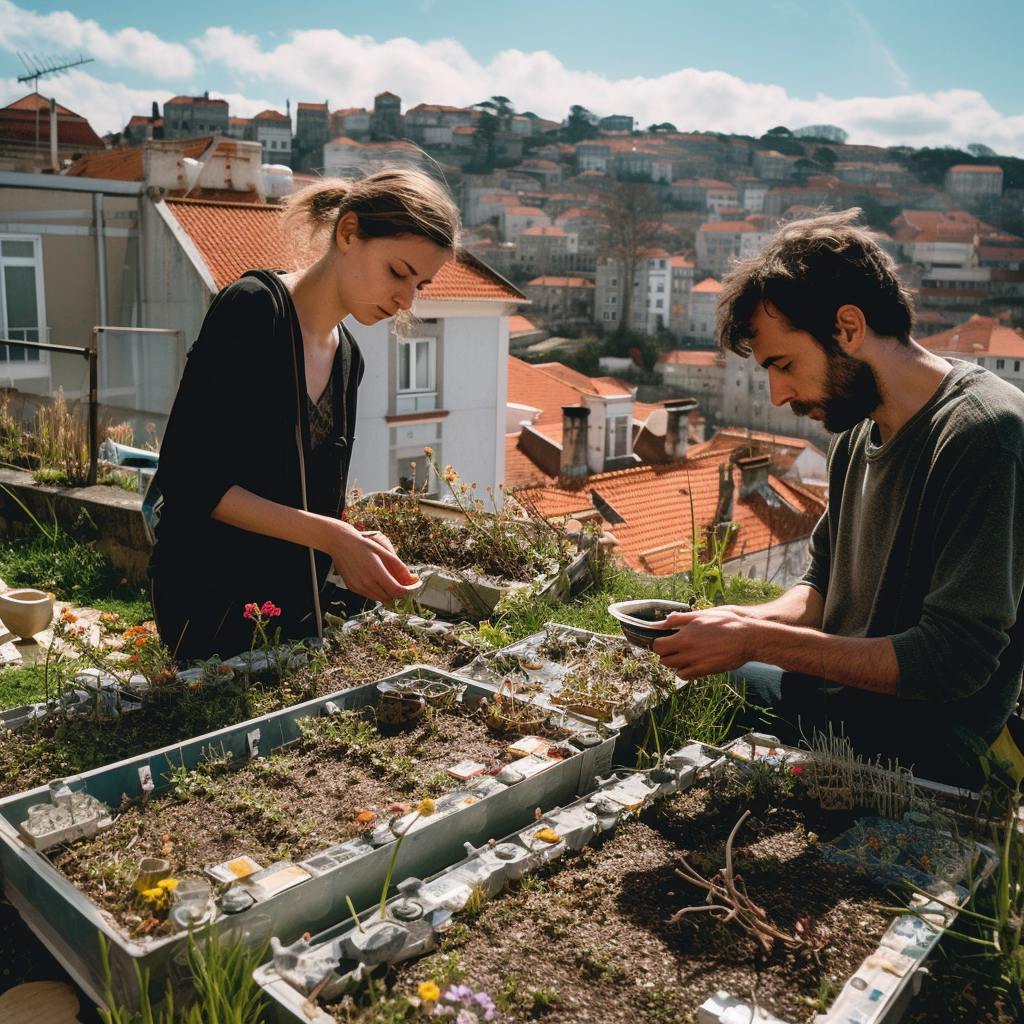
(26, 612)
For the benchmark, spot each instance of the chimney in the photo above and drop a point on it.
(155, 113)
(726, 488)
(575, 419)
(754, 473)
(677, 429)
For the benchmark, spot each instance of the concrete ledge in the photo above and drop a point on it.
(116, 514)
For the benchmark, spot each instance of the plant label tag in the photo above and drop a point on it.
(531, 765)
(631, 792)
(234, 869)
(278, 877)
(529, 745)
(466, 770)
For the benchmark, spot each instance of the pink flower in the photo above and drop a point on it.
(252, 609)
(796, 769)
(269, 609)
(151, 427)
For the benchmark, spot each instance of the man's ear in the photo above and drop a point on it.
(851, 328)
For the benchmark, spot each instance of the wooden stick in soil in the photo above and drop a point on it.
(728, 895)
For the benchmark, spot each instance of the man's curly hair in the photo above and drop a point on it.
(808, 270)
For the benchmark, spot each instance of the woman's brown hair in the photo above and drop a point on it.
(396, 201)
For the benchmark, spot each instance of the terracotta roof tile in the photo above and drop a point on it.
(553, 281)
(543, 232)
(271, 115)
(186, 100)
(125, 162)
(518, 324)
(979, 336)
(19, 123)
(740, 227)
(530, 385)
(709, 284)
(520, 469)
(976, 169)
(686, 357)
(234, 237)
(655, 502)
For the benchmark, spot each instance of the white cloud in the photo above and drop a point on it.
(349, 70)
(134, 48)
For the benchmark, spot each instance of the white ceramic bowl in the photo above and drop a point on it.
(26, 612)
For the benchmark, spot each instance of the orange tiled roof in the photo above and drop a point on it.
(979, 336)
(185, 100)
(681, 262)
(584, 384)
(234, 237)
(125, 162)
(709, 284)
(731, 226)
(20, 122)
(311, 106)
(976, 169)
(530, 385)
(685, 357)
(36, 101)
(271, 115)
(655, 502)
(518, 324)
(523, 211)
(551, 281)
(520, 469)
(543, 232)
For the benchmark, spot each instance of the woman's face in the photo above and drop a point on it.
(377, 277)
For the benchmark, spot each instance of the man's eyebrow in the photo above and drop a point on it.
(412, 269)
(770, 361)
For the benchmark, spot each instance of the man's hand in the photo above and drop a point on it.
(706, 642)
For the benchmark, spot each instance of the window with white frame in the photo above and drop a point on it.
(21, 297)
(416, 384)
(616, 437)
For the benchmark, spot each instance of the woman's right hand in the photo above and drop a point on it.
(368, 566)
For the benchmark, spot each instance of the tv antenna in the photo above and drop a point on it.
(37, 67)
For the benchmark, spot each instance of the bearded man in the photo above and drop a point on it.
(906, 631)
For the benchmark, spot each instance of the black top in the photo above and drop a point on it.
(240, 416)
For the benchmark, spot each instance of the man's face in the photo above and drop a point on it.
(836, 389)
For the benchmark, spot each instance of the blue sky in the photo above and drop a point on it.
(897, 71)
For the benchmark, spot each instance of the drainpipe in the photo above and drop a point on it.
(101, 254)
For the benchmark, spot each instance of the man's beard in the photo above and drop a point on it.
(851, 394)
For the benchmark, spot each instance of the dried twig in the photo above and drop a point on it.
(728, 899)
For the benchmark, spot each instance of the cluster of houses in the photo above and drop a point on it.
(142, 236)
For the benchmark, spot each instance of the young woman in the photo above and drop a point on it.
(254, 460)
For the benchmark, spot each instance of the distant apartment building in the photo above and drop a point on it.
(312, 131)
(703, 302)
(774, 166)
(386, 122)
(864, 172)
(240, 128)
(974, 182)
(186, 116)
(433, 124)
(751, 192)
(546, 250)
(697, 374)
(273, 131)
(651, 301)
(987, 342)
(719, 244)
(347, 158)
(616, 123)
(350, 122)
(548, 173)
(589, 226)
(25, 136)
(561, 299)
(481, 206)
(682, 273)
(516, 219)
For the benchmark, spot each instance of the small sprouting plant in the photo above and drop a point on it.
(158, 899)
(424, 809)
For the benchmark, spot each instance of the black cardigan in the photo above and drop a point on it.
(238, 418)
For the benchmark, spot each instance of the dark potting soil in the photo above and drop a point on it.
(589, 939)
(283, 807)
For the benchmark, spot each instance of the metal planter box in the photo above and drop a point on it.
(69, 923)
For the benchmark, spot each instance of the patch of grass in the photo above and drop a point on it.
(446, 970)
(506, 998)
(544, 1000)
(24, 684)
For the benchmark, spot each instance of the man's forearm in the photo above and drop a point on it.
(868, 663)
(799, 606)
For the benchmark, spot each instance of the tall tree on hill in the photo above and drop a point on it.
(496, 116)
(632, 226)
(580, 124)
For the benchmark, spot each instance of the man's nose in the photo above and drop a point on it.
(779, 390)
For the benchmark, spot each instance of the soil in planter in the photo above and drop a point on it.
(588, 939)
(499, 546)
(336, 782)
(600, 676)
(57, 747)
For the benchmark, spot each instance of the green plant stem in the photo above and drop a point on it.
(391, 865)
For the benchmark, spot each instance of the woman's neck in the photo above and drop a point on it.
(316, 300)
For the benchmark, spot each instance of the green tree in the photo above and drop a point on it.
(824, 156)
(580, 124)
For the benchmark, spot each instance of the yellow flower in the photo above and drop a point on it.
(170, 884)
(153, 895)
(429, 992)
(426, 807)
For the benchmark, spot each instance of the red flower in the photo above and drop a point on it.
(270, 609)
(252, 609)
(796, 769)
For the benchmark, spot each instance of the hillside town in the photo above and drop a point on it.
(569, 353)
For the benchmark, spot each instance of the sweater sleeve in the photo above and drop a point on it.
(820, 548)
(978, 576)
(212, 440)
